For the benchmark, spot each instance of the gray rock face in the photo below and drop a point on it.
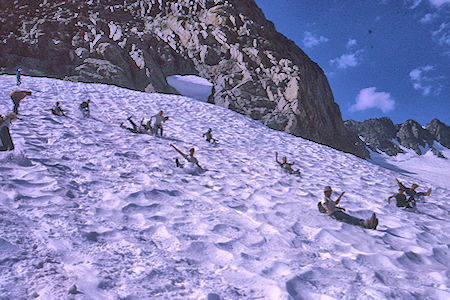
(382, 135)
(440, 132)
(255, 70)
(378, 134)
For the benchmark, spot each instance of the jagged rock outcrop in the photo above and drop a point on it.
(381, 135)
(378, 134)
(255, 70)
(440, 132)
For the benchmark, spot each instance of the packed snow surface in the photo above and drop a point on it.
(89, 210)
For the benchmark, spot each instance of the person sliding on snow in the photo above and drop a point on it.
(6, 141)
(159, 118)
(57, 110)
(413, 196)
(285, 165)
(401, 201)
(336, 212)
(209, 137)
(16, 97)
(190, 158)
(143, 128)
(85, 109)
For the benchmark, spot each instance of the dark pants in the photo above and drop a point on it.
(155, 130)
(342, 216)
(6, 139)
(16, 104)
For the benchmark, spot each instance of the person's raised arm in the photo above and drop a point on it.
(276, 158)
(178, 150)
(339, 198)
(402, 187)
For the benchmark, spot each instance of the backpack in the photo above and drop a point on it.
(321, 208)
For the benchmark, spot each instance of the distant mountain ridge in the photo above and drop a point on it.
(382, 135)
(256, 71)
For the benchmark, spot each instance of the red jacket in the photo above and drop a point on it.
(19, 95)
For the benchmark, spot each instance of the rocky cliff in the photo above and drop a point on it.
(255, 70)
(381, 135)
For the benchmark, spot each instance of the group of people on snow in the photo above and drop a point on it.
(406, 197)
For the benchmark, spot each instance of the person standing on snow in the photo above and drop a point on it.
(336, 212)
(16, 97)
(19, 80)
(85, 110)
(5, 136)
(190, 158)
(159, 118)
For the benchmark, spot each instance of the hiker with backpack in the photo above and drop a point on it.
(285, 165)
(5, 136)
(413, 195)
(190, 157)
(16, 97)
(85, 109)
(330, 207)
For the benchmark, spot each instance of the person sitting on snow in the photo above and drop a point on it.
(401, 201)
(285, 165)
(143, 127)
(159, 118)
(16, 97)
(209, 137)
(337, 213)
(5, 136)
(85, 109)
(190, 158)
(57, 110)
(413, 196)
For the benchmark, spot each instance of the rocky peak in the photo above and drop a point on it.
(440, 132)
(255, 70)
(382, 135)
(412, 135)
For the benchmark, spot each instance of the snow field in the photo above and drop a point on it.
(85, 202)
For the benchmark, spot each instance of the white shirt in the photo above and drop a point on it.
(6, 123)
(330, 204)
(158, 119)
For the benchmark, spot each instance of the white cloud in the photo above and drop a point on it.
(346, 60)
(438, 3)
(424, 83)
(414, 3)
(310, 40)
(428, 18)
(443, 34)
(351, 43)
(370, 98)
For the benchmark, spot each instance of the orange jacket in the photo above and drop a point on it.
(19, 95)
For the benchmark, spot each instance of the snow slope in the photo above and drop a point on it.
(86, 203)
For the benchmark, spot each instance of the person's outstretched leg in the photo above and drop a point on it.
(133, 124)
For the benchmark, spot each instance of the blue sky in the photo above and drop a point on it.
(381, 57)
